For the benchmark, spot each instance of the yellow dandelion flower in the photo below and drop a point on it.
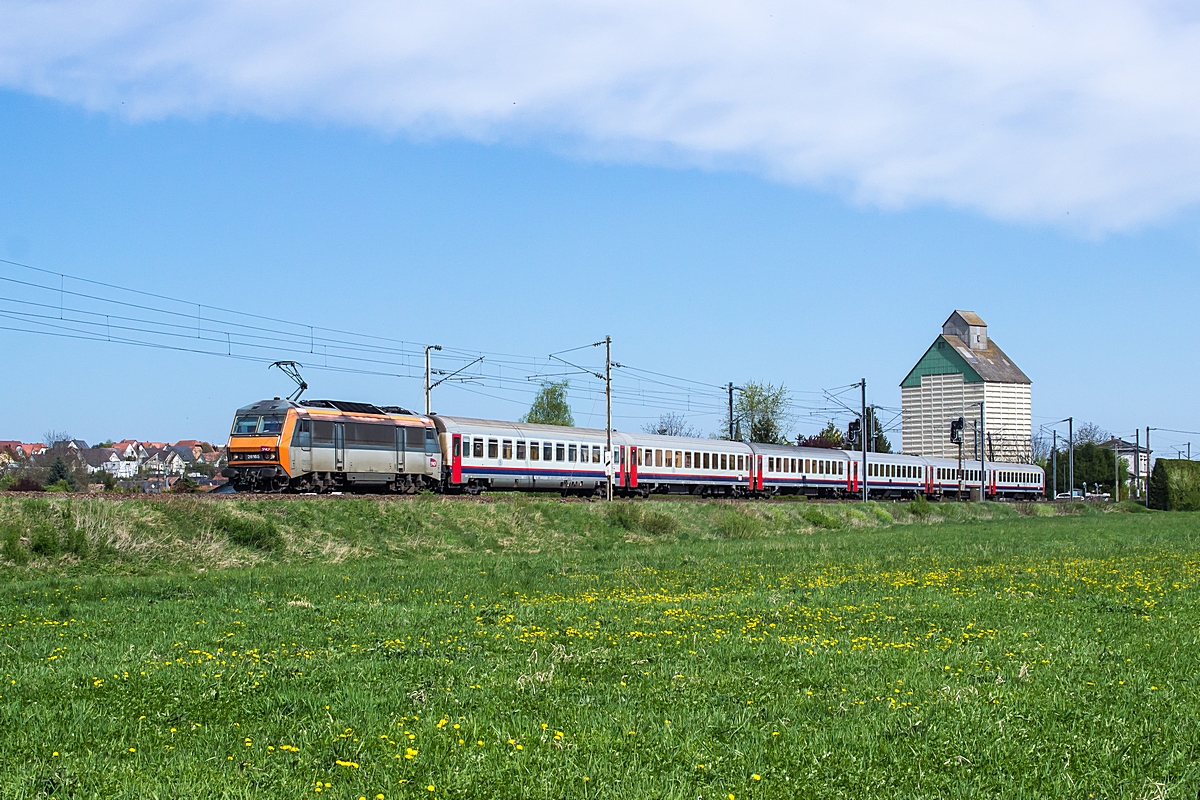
(431, 787)
(756, 777)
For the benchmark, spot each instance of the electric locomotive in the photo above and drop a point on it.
(331, 445)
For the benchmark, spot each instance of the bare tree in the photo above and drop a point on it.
(54, 439)
(1091, 432)
(671, 424)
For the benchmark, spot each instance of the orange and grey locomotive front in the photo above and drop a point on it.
(331, 445)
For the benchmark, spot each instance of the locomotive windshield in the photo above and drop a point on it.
(253, 424)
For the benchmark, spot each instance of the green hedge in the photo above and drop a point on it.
(1175, 485)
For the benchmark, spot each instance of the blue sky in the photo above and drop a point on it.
(531, 235)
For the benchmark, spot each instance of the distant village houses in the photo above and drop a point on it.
(152, 466)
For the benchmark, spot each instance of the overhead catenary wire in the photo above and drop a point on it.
(101, 311)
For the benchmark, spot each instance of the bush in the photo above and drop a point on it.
(11, 547)
(737, 524)
(7, 481)
(657, 522)
(185, 485)
(920, 507)
(628, 516)
(1175, 485)
(60, 486)
(25, 484)
(253, 532)
(44, 541)
(820, 518)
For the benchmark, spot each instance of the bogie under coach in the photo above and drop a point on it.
(329, 445)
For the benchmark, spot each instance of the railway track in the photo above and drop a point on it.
(483, 499)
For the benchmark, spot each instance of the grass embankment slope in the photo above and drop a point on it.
(1009, 656)
(180, 533)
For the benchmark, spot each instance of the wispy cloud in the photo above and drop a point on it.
(1023, 110)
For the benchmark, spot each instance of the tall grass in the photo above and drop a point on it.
(83, 534)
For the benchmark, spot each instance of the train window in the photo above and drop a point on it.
(547, 451)
(658, 458)
(431, 442)
(679, 458)
(302, 436)
(244, 426)
(741, 464)
(535, 451)
(669, 461)
(506, 449)
(370, 434)
(456, 447)
(570, 452)
(705, 460)
(520, 450)
(724, 461)
(841, 468)
(687, 460)
(696, 460)
(560, 451)
(414, 438)
(322, 431)
(477, 448)
(770, 464)
(271, 424)
(493, 448)
(595, 454)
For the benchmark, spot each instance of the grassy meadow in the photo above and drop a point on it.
(424, 648)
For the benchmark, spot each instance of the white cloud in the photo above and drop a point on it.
(1024, 110)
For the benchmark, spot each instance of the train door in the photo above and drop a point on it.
(633, 459)
(621, 466)
(399, 431)
(456, 458)
(758, 484)
(302, 445)
(339, 447)
(854, 478)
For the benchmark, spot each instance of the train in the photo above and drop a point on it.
(325, 446)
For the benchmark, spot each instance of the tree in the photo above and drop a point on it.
(1093, 464)
(671, 424)
(550, 407)
(760, 415)
(59, 472)
(1090, 432)
(55, 439)
(829, 437)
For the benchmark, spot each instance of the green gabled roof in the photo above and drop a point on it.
(949, 355)
(942, 358)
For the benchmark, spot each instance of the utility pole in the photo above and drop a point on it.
(865, 493)
(730, 388)
(1147, 466)
(1116, 470)
(982, 456)
(1054, 464)
(429, 377)
(1071, 457)
(1137, 460)
(608, 412)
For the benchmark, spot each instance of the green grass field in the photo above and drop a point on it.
(428, 649)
